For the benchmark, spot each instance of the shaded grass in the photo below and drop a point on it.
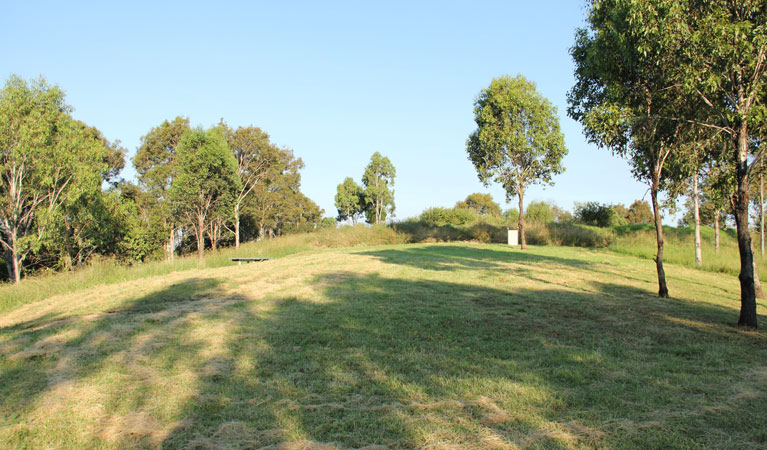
(406, 346)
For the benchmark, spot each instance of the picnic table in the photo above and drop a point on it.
(249, 260)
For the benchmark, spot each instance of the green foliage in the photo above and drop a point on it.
(378, 180)
(206, 180)
(598, 215)
(328, 222)
(155, 159)
(448, 216)
(278, 206)
(539, 211)
(349, 200)
(483, 204)
(48, 162)
(511, 215)
(517, 141)
(639, 213)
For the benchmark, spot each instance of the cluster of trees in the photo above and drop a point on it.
(604, 215)
(219, 184)
(678, 89)
(61, 201)
(374, 199)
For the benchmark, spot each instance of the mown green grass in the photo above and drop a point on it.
(105, 271)
(401, 346)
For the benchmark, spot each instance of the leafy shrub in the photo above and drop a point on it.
(539, 212)
(446, 216)
(598, 215)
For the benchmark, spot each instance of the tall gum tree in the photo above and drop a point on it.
(255, 155)
(155, 163)
(625, 91)
(46, 160)
(206, 179)
(379, 195)
(518, 141)
(723, 62)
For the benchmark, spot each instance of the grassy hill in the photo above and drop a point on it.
(440, 346)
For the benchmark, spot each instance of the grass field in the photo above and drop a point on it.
(438, 346)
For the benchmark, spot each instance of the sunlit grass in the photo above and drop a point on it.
(106, 271)
(679, 247)
(459, 346)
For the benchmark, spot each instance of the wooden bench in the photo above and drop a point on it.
(249, 260)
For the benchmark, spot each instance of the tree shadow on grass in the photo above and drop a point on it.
(455, 257)
(413, 364)
(368, 359)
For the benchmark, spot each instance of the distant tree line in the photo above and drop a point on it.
(62, 202)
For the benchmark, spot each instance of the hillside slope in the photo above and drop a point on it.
(405, 346)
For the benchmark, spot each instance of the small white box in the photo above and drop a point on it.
(513, 237)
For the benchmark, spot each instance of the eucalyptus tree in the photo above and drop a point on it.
(483, 204)
(205, 180)
(518, 141)
(378, 180)
(724, 64)
(627, 104)
(155, 163)
(349, 200)
(47, 160)
(255, 155)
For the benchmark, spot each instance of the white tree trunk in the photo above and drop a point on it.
(698, 251)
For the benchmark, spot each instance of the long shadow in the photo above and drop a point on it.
(44, 354)
(391, 362)
(406, 364)
(453, 257)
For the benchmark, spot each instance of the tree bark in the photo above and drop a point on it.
(716, 230)
(662, 287)
(761, 207)
(696, 203)
(740, 205)
(521, 221)
(8, 256)
(201, 237)
(236, 227)
(171, 250)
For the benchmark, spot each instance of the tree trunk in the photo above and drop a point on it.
(8, 256)
(757, 284)
(662, 287)
(761, 207)
(236, 227)
(716, 230)
(171, 250)
(696, 203)
(740, 205)
(521, 222)
(201, 237)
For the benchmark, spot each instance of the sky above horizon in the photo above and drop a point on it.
(333, 81)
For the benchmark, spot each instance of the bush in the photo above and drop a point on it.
(328, 222)
(539, 212)
(598, 215)
(446, 216)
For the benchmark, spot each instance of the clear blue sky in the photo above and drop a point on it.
(333, 81)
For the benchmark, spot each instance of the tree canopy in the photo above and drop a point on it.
(518, 141)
